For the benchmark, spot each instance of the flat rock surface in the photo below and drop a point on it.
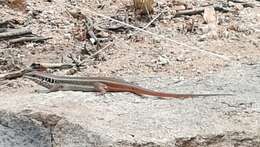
(123, 119)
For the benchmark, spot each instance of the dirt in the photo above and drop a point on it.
(142, 54)
(132, 52)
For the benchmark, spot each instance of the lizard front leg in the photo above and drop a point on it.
(54, 88)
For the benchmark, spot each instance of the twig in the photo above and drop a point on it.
(198, 11)
(147, 25)
(236, 1)
(222, 9)
(120, 28)
(2, 30)
(3, 83)
(189, 12)
(57, 65)
(16, 32)
(90, 29)
(26, 39)
(156, 17)
(6, 23)
(158, 35)
(20, 73)
(77, 62)
(243, 3)
(15, 74)
(105, 39)
(99, 51)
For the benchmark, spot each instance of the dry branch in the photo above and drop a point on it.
(99, 51)
(15, 32)
(57, 65)
(198, 11)
(26, 39)
(2, 30)
(244, 3)
(15, 74)
(146, 26)
(4, 23)
(76, 61)
(90, 30)
(20, 73)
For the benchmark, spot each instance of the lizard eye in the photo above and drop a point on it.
(47, 79)
(52, 81)
(33, 75)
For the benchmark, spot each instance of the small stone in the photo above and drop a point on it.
(209, 15)
(238, 6)
(204, 29)
(202, 38)
(180, 58)
(67, 36)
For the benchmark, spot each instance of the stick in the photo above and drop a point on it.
(15, 74)
(2, 30)
(99, 51)
(198, 11)
(4, 23)
(189, 12)
(20, 73)
(146, 26)
(90, 29)
(245, 4)
(26, 39)
(157, 16)
(160, 36)
(117, 28)
(77, 62)
(56, 65)
(16, 32)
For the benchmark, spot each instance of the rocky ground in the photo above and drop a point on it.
(153, 61)
(84, 119)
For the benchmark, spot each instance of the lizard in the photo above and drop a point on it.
(99, 84)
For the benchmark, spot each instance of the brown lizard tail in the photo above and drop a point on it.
(112, 87)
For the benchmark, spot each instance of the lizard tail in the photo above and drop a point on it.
(142, 91)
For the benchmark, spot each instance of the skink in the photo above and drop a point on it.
(99, 84)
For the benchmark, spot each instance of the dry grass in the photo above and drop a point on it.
(17, 4)
(144, 6)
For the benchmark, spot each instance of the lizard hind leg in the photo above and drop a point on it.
(51, 89)
(140, 95)
(100, 87)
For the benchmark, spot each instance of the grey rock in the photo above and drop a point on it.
(76, 119)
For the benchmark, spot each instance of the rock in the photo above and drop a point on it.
(19, 130)
(75, 119)
(203, 29)
(210, 18)
(209, 15)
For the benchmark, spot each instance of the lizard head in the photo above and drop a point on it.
(38, 67)
(40, 78)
